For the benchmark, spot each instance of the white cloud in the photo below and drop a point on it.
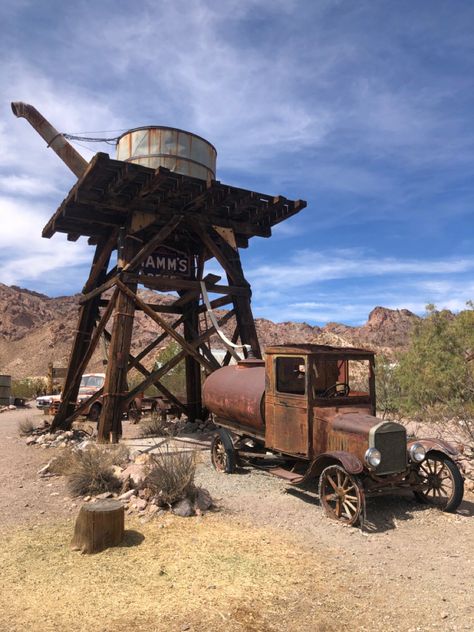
(24, 254)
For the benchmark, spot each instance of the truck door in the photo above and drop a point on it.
(286, 406)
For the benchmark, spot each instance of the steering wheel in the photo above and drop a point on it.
(339, 389)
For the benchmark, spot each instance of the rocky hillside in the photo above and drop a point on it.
(36, 330)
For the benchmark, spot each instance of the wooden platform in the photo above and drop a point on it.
(111, 190)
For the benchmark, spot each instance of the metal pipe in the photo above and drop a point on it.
(73, 159)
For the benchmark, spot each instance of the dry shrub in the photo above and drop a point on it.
(155, 426)
(92, 472)
(171, 474)
(65, 462)
(119, 454)
(26, 427)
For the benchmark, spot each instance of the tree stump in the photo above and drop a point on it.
(98, 526)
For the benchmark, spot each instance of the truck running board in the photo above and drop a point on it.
(291, 477)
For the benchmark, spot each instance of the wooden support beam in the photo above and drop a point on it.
(151, 245)
(99, 290)
(156, 375)
(168, 284)
(115, 386)
(134, 362)
(216, 303)
(211, 241)
(99, 330)
(156, 307)
(86, 322)
(158, 340)
(164, 325)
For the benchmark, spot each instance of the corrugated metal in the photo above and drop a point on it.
(175, 149)
(5, 389)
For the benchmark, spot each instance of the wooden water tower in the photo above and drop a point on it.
(160, 208)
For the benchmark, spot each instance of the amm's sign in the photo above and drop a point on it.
(167, 262)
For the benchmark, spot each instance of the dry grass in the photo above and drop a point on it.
(26, 427)
(155, 426)
(171, 474)
(193, 574)
(90, 471)
(95, 458)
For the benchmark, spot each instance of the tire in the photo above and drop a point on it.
(341, 495)
(223, 455)
(133, 414)
(443, 481)
(94, 412)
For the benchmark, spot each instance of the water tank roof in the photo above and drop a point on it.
(166, 127)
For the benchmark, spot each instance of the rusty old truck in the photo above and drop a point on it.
(309, 412)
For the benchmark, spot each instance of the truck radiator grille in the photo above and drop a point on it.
(393, 448)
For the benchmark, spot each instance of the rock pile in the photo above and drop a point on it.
(138, 498)
(198, 427)
(59, 439)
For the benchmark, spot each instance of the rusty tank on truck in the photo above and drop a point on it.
(309, 412)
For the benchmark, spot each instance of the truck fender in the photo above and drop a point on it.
(348, 461)
(438, 445)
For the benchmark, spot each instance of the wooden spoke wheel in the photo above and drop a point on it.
(442, 483)
(341, 495)
(94, 412)
(223, 453)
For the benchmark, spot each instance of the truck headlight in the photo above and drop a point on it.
(417, 452)
(373, 458)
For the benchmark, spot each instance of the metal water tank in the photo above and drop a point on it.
(169, 147)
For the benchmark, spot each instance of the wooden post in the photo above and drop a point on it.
(88, 314)
(193, 369)
(115, 385)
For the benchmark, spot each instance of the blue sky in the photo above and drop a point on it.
(362, 108)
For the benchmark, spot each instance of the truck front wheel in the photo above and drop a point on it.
(341, 495)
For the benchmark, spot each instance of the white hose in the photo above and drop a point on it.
(230, 346)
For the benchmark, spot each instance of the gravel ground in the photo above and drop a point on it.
(410, 569)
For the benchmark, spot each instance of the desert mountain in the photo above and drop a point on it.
(36, 329)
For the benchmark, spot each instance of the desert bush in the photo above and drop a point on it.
(387, 385)
(26, 427)
(65, 462)
(118, 454)
(175, 379)
(171, 475)
(155, 426)
(433, 381)
(92, 473)
(28, 387)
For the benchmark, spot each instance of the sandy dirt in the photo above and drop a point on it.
(272, 559)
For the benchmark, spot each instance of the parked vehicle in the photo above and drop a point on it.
(44, 402)
(308, 411)
(93, 382)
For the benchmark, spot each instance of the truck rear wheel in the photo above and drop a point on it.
(223, 452)
(94, 412)
(442, 482)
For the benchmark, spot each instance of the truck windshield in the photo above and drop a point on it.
(92, 381)
(333, 377)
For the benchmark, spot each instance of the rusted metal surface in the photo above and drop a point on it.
(175, 149)
(73, 159)
(437, 444)
(236, 393)
(321, 431)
